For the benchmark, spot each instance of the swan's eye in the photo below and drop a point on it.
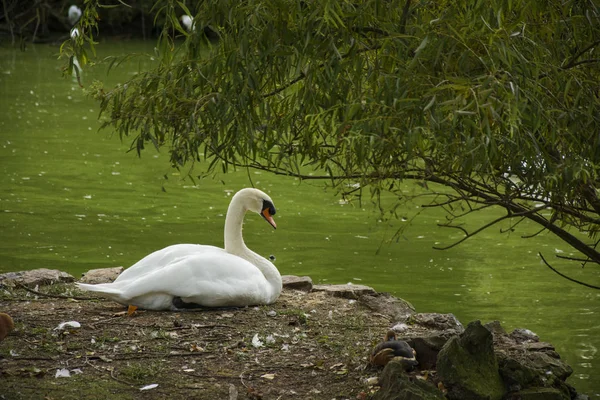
(267, 205)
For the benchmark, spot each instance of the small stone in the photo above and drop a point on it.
(521, 335)
(345, 291)
(271, 313)
(303, 283)
(437, 321)
(386, 304)
(101, 275)
(495, 328)
(539, 346)
(40, 276)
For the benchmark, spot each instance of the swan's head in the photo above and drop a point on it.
(259, 202)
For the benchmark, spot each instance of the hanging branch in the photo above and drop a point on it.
(565, 276)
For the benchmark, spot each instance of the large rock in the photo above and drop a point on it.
(526, 363)
(386, 304)
(303, 283)
(468, 368)
(34, 277)
(345, 291)
(397, 385)
(101, 275)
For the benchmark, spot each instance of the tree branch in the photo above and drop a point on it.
(302, 75)
(468, 235)
(404, 18)
(565, 276)
(582, 260)
(573, 62)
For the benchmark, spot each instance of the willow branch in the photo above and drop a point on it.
(582, 260)
(404, 18)
(567, 277)
(302, 75)
(573, 62)
(468, 235)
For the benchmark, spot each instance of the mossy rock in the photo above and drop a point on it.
(397, 385)
(517, 373)
(468, 368)
(538, 393)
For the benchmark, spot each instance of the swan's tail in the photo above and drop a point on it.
(106, 290)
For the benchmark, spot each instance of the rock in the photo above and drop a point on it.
(539, 346)
(31, 278)
(397, 385)
(101, 275)
(427, 348)
(516, 374)
(468, 368)
(495, 328)
(539, 394)
(442, 322)
(345, 291)
(524, 368)
(303, 283)
(521, 335)
(550, 365)
(386, 304)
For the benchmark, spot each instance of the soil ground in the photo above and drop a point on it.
(312, 346)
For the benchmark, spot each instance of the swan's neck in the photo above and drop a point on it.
(234, 244)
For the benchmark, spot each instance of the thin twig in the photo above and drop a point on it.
(565, 276)
(302, 75)
(582, 260)
(468, 235)
(9, 22)
(111, 374)
(573, 62)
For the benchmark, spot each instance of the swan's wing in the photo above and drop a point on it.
(206, 278)
(164, 257)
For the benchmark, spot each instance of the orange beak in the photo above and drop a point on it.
(269, 218)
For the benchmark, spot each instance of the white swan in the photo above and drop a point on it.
(73, 14)
(191, 275)
(187, 22)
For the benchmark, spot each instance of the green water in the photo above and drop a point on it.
(73, 199)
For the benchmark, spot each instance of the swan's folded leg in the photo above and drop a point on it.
(179, 304)
(131, 309)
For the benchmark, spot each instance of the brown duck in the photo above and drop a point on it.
(392, 349)
(6, 325)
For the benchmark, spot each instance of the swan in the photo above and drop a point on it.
(191, 275)
(187, 22)
(73, 14)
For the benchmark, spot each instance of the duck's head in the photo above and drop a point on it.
(259, 202)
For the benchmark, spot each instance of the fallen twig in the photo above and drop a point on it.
(111, 374)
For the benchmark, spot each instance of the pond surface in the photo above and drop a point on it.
(73, 199)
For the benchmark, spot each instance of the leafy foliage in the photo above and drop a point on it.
(497, 100)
